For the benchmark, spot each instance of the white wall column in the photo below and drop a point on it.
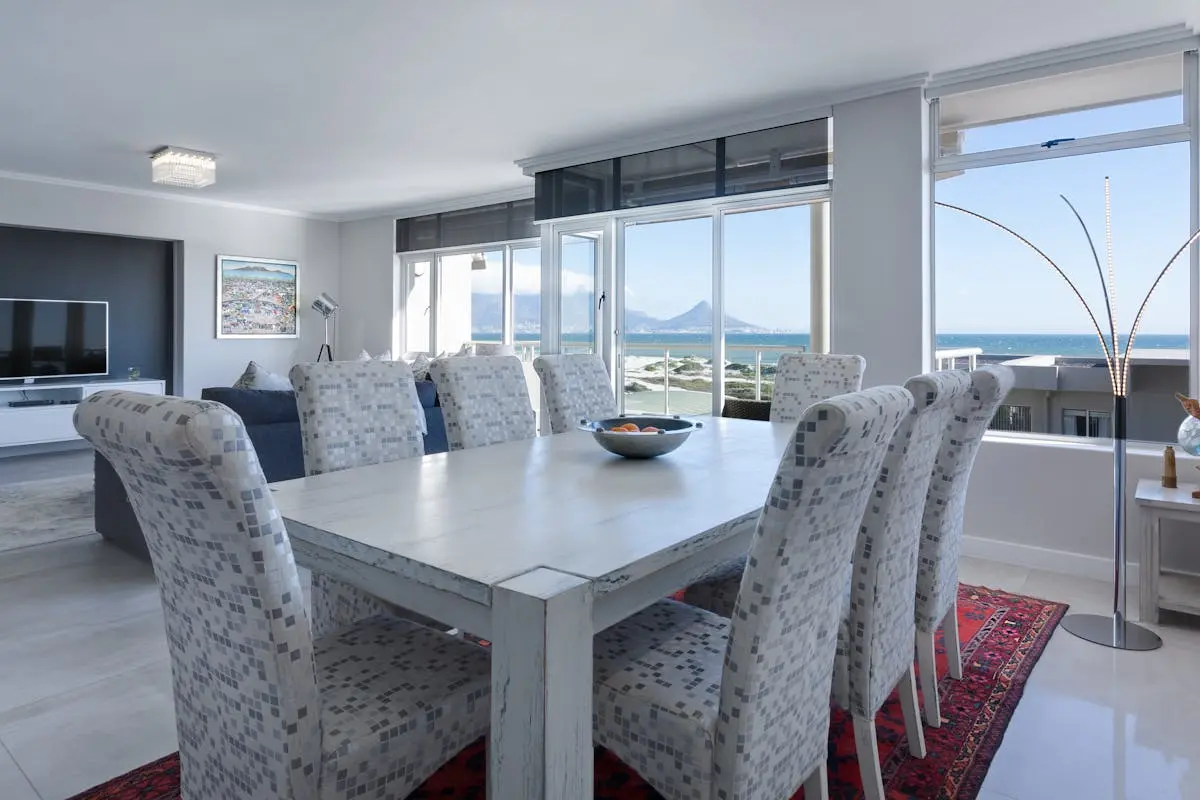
(818, 340)
(879, 278)
(369, 311)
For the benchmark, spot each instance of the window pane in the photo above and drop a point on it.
(577, 313)
(470, 299)
(778, 158)
(768, 278)
(670, 175)
(996, 295)
(417, 308)
(527, 300)
(668, 317)
(583, 189)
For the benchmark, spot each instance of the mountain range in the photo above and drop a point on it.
(486, 312)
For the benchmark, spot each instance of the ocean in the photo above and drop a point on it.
(994, 344)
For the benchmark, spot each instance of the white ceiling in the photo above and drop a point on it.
(344, 108)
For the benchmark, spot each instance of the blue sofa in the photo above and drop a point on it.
(273, 424)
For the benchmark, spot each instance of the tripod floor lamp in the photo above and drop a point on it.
(327, 307)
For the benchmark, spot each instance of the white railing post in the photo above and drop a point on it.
(971, 362)
(758, 374)
(666, 380)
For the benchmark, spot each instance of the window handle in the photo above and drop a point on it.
(1057, 142)
(603, 297)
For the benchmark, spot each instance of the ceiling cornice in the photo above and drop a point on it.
(446, 204)
(780, 113)
(1134, 46)
(151, 194)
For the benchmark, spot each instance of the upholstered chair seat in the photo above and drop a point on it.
(576, 387)
(712, 708)
(264, 709)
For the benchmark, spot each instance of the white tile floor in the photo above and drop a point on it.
(85, 688)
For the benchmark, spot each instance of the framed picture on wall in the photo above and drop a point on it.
(256, 298)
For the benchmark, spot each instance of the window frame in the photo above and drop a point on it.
(405, 262)
(1187, 131)
(612, 226)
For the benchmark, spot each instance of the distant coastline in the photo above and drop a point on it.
(739, 346)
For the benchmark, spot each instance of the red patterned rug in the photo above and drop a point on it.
(1003, 636)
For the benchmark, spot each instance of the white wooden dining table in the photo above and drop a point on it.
(536, 545)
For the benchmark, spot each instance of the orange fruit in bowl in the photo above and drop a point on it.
(650, 429)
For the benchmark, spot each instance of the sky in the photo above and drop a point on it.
(985, 281)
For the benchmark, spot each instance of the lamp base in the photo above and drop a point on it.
(1111, 631)
(325, 352)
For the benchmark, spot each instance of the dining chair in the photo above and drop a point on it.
(942, 529)
(576, 387)
(875, 637)
(264, 709)
(802, 379)
(705, 707)
(353, 414)
(485, 400)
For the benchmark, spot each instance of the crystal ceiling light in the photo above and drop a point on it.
(178, 166)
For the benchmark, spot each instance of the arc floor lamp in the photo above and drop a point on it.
(1111, 631)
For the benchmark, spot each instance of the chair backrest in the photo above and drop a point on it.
(485, 400)
(773, 722)
(802, 379)
(246, 704)
(576, 387)
(883, 583)
(942, 522)
(355, 413)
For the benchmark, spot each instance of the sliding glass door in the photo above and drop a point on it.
(666, 335)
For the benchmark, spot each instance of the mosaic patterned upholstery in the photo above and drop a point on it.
(354, 413)
(576, 387)
(717, 590)
(941, 526)
(875, 641)
(802, 379)
(252, 712)
(657, 675)
(484, 399)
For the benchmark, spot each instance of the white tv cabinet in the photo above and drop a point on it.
(26, 425)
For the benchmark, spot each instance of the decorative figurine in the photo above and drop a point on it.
(1169, 477)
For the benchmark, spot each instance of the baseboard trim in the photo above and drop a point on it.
(1043, 558)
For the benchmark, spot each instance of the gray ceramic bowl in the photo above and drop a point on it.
(673, 431)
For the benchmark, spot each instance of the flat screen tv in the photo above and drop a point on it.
(53, 338)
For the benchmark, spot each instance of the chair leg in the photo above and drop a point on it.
(912, 715)
(868, 758)
(927, 663)
(953, 651)
(817, 785)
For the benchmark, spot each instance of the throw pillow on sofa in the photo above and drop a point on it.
(257, 376)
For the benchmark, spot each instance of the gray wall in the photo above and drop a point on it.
(206, 231)
(133, 275)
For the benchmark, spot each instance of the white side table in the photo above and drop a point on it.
(1172, 590)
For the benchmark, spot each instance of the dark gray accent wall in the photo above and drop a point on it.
(136, 277)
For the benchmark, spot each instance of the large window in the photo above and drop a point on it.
(458, 297)
(997, 299)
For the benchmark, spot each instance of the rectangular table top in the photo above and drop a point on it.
(469, 520)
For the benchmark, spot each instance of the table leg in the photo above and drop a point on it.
(540, 746)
